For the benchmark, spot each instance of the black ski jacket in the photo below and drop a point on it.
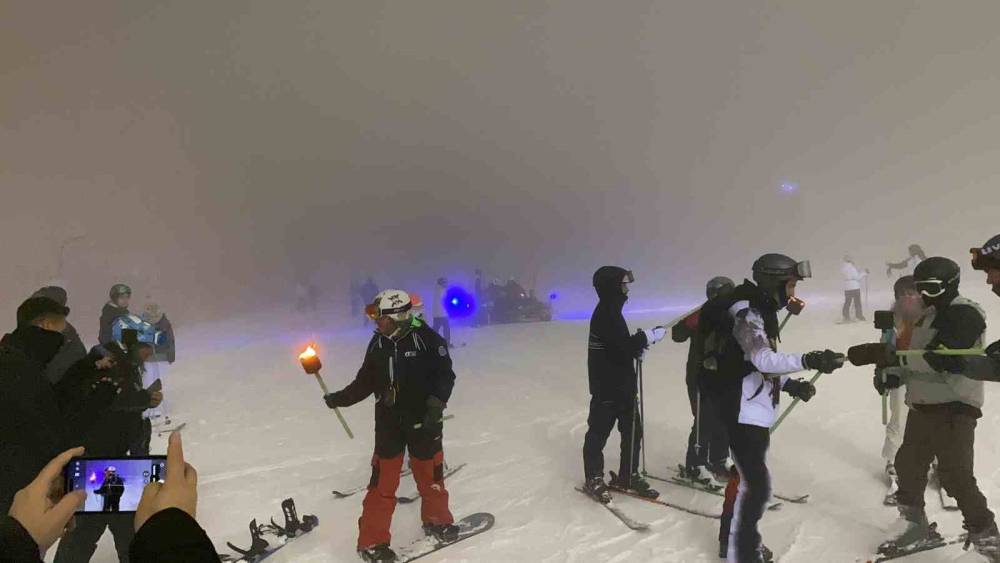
(402, 372)
(611, 348)
(688, 330)
(69, 353)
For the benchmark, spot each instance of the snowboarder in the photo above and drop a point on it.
(611, 356)
(906, 267)
(120, 295)
(741, 335)
(408, 369)
(112, 489)
(853, 276)
(944, 406)
(708, 445)
(439, 314)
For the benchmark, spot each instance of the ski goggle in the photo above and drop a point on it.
(983, 261)
(934, 287)
(804, 269)
(374, 312)
(629, 277)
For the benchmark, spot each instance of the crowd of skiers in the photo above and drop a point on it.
(735, 373)
(60, 397)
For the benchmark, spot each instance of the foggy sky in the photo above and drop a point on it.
(214, 153)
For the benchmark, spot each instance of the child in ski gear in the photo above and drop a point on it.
(408, 369)
(906, 267)
(853, 277)
(944, 406)
(741, 334)
(611, 356)
(708, 444)
(120, 295)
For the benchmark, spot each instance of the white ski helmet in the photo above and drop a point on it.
(392, 303)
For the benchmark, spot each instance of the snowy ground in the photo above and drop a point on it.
(258, 432)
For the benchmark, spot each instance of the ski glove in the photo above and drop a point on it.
(879, 354)
(892, 381)
(434, 414)
(799, 388)
(333, 400)
(942, 363)
(654, 335)
(826, 361)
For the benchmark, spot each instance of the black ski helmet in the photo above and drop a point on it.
(718, 285)
(772, 271)
(118, 290)
(937, 279)
(988, 258)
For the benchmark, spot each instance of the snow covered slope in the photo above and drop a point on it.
(258, 432)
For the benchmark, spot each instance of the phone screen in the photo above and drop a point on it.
(113, 484)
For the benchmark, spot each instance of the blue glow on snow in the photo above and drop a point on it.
(789, 187)
(458, 302)
(553, 296)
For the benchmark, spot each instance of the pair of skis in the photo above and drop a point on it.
(934, 540)
(260, 549)
(718, 491)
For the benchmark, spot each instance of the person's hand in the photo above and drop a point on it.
(155, 398)
(892, 380)
(944, 364)
(43, 516)
(826, 361)
(655, 335)
(434, 413)
(179, 490)
(880, 354)
(800, 389)
(332, 400)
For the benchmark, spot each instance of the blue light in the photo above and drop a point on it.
(458, 302)
(789, 187)
(553, 296)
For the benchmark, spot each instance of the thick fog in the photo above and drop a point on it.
(215, 154)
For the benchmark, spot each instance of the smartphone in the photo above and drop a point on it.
(113, 484)
(156, 385)
(884, 320)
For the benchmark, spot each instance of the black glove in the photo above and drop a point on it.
(434, 414)
(942, 363)
(892, 381)
(799, 388)
(333, 400)
(826, 361)
(993, 350)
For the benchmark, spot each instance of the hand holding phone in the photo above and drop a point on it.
(180, 490)
(115, 483)
(156, 385)
(44, 516)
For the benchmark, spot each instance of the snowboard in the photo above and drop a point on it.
(471, 525)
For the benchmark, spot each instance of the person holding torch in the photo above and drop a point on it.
(408, 368)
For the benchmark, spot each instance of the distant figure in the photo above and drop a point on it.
(120, 295)
(907, 266)
(441, 324)
(852, 289)
(72, 349)
(112, 490)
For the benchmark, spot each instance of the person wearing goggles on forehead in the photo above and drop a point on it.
(611, 354)
(408, 369)
(944, 403)
(741, 331)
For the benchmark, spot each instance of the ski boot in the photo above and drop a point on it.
(764, 555)
(985, 542)
(597, 489)
(703, 476)
(890, 471)
(635, 485)
(443, 533)
(911, 527)
(380, 553)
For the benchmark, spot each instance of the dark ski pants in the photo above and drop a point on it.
(747, 493)
(442, 326)
(79, 545)
(600, 422)
(948, 434)
(427, 463)
(708, 442)
(852, 296)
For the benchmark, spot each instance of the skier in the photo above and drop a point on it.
(73, 349)
(906, 267)
(408, 369)
(708, 445)
(164, 355)
(741, 334)
(612, 352)
(853, 277)
(441, 324)
(120, 295)
(944, 406)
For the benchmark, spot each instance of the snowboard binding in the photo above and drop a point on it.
(258, 545)
(293, 526)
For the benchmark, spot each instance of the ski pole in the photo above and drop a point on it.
(944, 352)
(311, 364)
(784, 321)
(792, 406)
(697, 424)
(420, 425)
(642, 419)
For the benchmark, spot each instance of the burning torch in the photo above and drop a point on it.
(311, 364)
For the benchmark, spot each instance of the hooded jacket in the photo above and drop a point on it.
(109, 313)
(611, 348)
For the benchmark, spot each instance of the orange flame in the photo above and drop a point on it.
(310, 352)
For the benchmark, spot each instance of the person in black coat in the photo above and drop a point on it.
(612, 353)
(73, 349)
(120, 295)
